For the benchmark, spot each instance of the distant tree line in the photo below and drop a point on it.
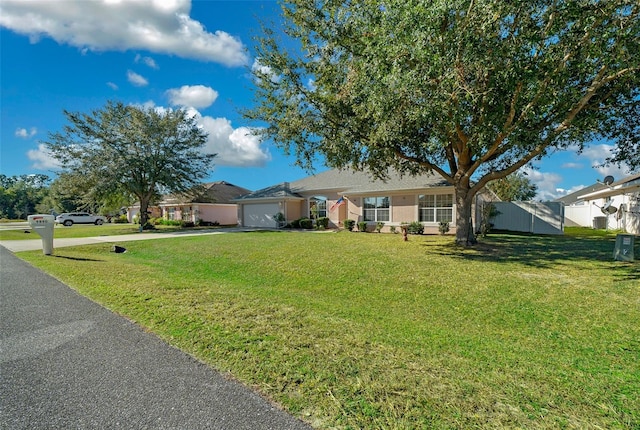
(24, 195)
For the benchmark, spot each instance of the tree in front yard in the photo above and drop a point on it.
(473, 90)
(132, 151)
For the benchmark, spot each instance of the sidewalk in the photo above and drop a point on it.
(66, 362)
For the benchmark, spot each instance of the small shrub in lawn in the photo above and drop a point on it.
(379, 226)
(443, 228)
(155, 221)
(322, 223)
(295, 223)
(120, 219)
(349, 224)
(187, 224)
(362, 226)
(393, 229)
(415, 228)
(149, 226)
(306, 223)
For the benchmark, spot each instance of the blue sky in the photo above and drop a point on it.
(78, 54)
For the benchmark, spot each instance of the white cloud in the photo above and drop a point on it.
(159, 26)
(42, 159)
(546, 182)
(136, 79)
(196, 96)
(23, 133)
(597, 154)
(235, 147)
(572, 166)
(112, 86)
(266, 70)
(146, 60)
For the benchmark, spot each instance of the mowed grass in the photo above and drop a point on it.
(354, 330)
(78, 230)
(90, 230)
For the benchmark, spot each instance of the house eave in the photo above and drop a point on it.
(609, 192)
(267, 199)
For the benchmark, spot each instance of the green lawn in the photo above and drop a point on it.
(87, 230)
(355, 330)
(78, 230)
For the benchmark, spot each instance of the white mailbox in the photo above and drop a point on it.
(43, 225)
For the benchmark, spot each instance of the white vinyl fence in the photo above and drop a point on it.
(530, 217)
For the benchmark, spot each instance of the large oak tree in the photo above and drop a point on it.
(129, 150)
(473, 90)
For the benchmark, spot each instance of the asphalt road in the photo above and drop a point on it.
(66, 362)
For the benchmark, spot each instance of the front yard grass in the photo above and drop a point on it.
(355, 330)
(90, 230)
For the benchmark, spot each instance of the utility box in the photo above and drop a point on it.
(599, 222)
(624, 247)
(43, 225)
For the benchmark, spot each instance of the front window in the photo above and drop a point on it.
(376, 208)
(171, 213)
(436, 208)
(318, 207)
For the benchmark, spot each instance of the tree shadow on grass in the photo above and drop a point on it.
(77, 258)
(539, 251)
(627, 272)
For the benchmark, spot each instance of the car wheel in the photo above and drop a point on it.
(68, 223)
(99, 222)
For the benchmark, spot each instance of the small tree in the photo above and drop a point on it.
(515, 187)
(130, 150)
(489, 212)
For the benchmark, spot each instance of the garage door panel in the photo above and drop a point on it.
(260, 215)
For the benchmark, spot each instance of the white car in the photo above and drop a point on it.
(69, 219)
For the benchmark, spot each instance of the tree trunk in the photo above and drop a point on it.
(465, 235)
(144, 215)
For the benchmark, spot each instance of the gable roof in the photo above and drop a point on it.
(343, 181)
(278, 191)
(212, 192)
(349, 181)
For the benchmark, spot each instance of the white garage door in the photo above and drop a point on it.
(260, 215)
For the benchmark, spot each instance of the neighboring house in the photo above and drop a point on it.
(213, 205)
(614, 206)
(344, 194)
(577, 211)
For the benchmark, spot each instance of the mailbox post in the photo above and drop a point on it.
(43, 225)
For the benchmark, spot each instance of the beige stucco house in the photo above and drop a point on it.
(345, 194)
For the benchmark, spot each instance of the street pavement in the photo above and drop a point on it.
(66, 362)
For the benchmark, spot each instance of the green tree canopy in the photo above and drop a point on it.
(20, 195)
(473, 90)
(627, 150)
(515, 187)
(124, 150)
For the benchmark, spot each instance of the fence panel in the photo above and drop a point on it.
(530, 217)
